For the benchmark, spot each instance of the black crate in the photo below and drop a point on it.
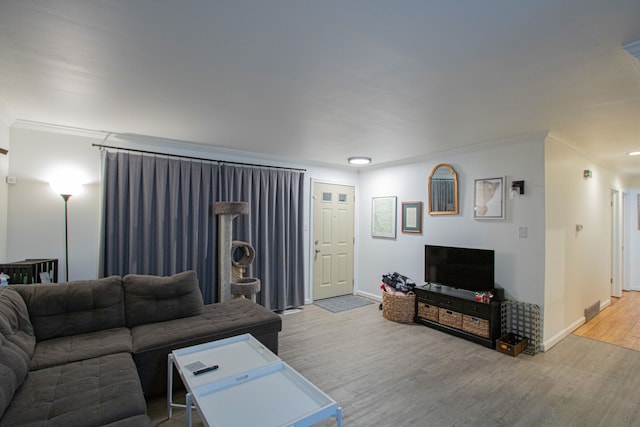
(29, 271)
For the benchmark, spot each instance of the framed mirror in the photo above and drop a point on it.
(443, 191)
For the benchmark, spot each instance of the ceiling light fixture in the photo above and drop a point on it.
(634, 153)
(359, 160)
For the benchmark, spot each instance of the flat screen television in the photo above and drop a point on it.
(462, 268)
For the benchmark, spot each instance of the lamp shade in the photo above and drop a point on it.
(65, 186)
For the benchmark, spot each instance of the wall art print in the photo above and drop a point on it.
(383, 217)
(489, 198)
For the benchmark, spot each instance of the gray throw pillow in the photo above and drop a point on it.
(72, 308)
(150, 299)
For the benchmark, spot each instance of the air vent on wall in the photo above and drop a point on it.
(591, 311)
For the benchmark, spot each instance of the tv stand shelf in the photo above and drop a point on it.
(456, 311)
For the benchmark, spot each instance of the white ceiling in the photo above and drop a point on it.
(326, 80)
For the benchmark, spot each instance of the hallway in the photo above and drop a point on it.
(617, 324)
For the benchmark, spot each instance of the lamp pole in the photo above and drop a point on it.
(66, 237)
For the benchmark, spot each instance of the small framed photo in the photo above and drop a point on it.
(488, 201)
(45, 277)
(383, 217)
(412, 217)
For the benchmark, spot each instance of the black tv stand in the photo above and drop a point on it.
(456, 311)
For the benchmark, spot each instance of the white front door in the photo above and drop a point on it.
(333, 219)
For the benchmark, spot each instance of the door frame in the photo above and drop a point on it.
(617, 263)
(310, 246)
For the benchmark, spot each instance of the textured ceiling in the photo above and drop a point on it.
(326, 80)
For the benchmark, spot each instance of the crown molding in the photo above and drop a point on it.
(65, 130)
(554, 138)
(465, 149)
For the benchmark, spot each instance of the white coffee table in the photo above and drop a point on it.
(251, 386)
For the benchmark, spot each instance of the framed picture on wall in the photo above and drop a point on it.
(412, 217)
(383, 217)
(488, 202)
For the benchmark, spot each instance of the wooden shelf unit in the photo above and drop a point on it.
(456, 311)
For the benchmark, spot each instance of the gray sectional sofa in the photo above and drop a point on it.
(86, 353)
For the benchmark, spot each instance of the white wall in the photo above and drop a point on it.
(36, 214)
(519, 261)
(577, 266)
(578, 263)
(4, 189)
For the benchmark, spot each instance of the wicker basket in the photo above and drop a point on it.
(427, 311)
(450, 318)
(399, 308)
(475, 325)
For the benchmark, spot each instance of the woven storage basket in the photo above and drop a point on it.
(475, 325)
(427, 311)
(450, 318)
(399, 308)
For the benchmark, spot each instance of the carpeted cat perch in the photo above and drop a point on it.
(228, 284)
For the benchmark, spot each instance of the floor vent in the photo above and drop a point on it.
(591, 311)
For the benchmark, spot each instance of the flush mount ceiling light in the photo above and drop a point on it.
(634, 153)
(359, 160)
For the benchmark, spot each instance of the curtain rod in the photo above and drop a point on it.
(102, 146)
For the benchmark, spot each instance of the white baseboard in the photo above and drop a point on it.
(374, 297)
(547, 344)
(359, 293)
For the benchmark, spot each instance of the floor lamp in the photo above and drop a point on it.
(66, 237)
(66, 190)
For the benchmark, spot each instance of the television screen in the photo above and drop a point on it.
(463, 268)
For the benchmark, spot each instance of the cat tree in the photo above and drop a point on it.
(231, 283)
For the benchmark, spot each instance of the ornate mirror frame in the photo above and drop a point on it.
(443, 170)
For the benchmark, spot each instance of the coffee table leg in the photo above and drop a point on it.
(339, 416)
(188, 404)
(169, 384)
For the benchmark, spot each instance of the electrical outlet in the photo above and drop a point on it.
(523, 232)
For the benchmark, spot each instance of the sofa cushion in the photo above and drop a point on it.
(14, 365)
(153, 342)
(17, 344)
(137, 421)
(91, 392)
(150, 299)
(14, 320)
(80, 307)
(58, 351)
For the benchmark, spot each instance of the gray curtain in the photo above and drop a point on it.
(156, 220)
(274, 227)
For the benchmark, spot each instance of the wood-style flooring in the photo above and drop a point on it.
(384, 373)
(617, 324)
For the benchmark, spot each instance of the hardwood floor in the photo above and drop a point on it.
(384, 373)
(617, 324)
